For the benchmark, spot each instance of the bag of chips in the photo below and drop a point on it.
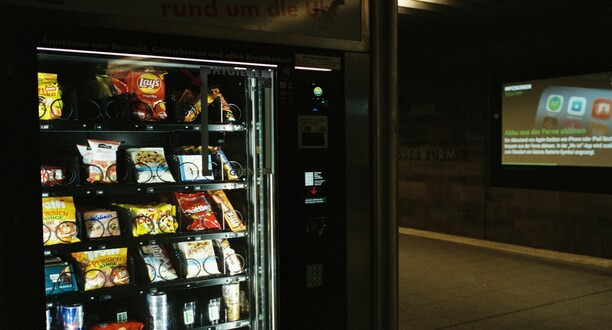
(151, 219)
(150, 165)
(199, 258)
(103, 268)
(148, 92)
(49, 97)
(130, 325)
(195, 207)
(229, 214)
(158, 263)
(59, 277)
(100, 158)
(59, 220)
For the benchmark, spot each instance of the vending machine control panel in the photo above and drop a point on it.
(312, 218)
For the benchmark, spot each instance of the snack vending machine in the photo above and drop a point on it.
(156, 190)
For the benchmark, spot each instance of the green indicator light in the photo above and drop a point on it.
(318, 91)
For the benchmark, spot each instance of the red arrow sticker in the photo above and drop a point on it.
(314, 190)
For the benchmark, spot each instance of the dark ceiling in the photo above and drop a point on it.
(431, 21)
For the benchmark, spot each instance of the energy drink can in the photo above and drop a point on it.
(72, 317)
(48, 318)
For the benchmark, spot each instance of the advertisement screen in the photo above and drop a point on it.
(564, 121)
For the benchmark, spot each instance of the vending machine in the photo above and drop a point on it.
(155, 191)
(185, 182)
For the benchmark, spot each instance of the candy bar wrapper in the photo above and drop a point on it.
(227, 166)
(231, 259)
(229, 214)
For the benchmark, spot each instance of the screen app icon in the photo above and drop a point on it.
(576, 105)
(554, 103)
(602, 109)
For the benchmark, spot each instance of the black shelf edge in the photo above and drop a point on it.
(64, 126)
(122, 189)
(226, 326)
(132, 290)
(123, 241)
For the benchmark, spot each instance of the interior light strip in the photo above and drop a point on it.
(78, 51)
(311, 68)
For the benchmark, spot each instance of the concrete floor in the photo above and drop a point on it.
(449, 285)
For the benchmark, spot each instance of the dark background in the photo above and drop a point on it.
(452, 59)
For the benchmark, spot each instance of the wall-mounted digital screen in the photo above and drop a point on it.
(564, 121)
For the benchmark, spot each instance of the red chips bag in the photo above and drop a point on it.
(148, 92)
(196, 207)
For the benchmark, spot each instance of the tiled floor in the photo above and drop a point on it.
(446, 285)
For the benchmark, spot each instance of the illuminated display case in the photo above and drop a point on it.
(156, 196)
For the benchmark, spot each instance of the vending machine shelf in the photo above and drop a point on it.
(133, 290)
(127, 188)
(226, 326)
(80, 126)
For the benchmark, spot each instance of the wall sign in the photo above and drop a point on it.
(330, 19)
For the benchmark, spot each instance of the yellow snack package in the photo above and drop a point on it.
(103, 268)
(151, 219)
(229, 214)
(59, 220)
(49, 97)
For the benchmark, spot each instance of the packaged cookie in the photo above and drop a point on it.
(59, 220)
(101, 223)
(150, 165)
(103, 268)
